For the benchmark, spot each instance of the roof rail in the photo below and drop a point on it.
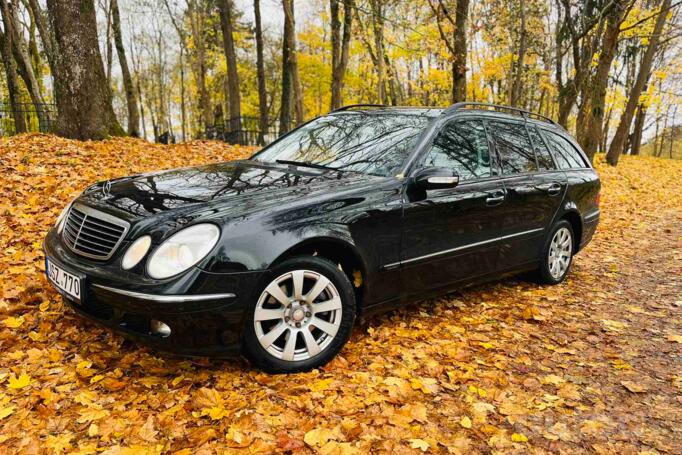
(524, 113)
(353, 106)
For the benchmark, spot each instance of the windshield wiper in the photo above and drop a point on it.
(306, 164)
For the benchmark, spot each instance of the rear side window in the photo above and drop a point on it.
(514, 147)
(566, 155)
(541, 151)
(463, 146)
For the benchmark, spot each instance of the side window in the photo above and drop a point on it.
(462, 146)
(513, 145)
(565, 153)
(541, 151)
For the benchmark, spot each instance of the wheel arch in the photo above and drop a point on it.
(573, 217)
(336, 250)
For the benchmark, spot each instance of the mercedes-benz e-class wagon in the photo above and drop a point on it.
(357, 211)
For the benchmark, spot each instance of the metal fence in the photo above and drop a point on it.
(37, 117)
(248, 133)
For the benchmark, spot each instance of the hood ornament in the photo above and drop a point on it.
(106, 189)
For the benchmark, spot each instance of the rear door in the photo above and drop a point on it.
(450, 235)
(583, 183)
(534, 190)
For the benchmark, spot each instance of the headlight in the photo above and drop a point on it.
(136, 252)
(62, 216)
(183, 250)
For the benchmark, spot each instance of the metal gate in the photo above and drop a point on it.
(37, 117)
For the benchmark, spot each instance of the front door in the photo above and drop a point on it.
(450, 235)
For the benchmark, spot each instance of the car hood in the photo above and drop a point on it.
(236, 187)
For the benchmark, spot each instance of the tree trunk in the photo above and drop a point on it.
(80, 86)
(340, 48)
(673, 132)
(589, 132)
(260, 70)
(183, 105)
(515, 92)
(378, 31)
(196, 22)
(293, 60)
(459, 61)
(139, 97)
(163, 115)
(287, 80)
(108, 47)
(618, 142)
(291, 83)
(183, 90)
(131, 98)
(391, 82)
(12, 83)
(46, 33)
(636, 143)
(234, 100)
(665, 126)
(22, 60)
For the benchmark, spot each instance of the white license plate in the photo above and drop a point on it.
(65, 281)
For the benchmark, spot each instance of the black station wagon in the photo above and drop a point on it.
(357, 211)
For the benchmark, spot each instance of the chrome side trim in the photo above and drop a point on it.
(459, 248)
(592, 215)
(167, 298)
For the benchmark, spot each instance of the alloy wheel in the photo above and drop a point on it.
(560, 253)
(297, 315)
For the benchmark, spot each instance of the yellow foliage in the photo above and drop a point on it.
(483, 370)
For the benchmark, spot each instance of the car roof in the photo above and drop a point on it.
(434, 112)
(404, 110)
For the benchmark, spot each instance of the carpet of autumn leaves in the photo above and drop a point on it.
(591, 365)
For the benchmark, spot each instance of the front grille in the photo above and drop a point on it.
(92, 233)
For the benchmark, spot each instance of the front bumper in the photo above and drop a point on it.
(204, 311)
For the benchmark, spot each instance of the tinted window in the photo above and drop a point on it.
(566, 155)
(375, 144)
(513, 145)
(462, 146)
(541, 151)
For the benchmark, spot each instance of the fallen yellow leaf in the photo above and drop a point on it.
(4, 412)
(633, 387)
(319, 437)
(518, 437)
(419, 444)
(14, 323)
(19, 383)
(675, 338)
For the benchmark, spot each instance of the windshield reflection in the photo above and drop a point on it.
(375, 144)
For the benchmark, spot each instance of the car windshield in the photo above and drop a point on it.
(375, 144)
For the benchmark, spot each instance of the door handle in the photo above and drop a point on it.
(495, 198)
(552, 189)
(523, 190)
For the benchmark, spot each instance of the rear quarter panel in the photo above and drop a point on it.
(583, 188)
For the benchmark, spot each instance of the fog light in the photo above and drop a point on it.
(159, 328)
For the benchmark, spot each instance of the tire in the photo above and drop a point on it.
(282, 307)
(557, 254)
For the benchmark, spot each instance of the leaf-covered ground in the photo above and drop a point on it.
(592, 365)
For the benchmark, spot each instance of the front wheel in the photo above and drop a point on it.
(557, 253)
(302, 317)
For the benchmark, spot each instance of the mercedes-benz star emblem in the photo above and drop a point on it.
(106, 189)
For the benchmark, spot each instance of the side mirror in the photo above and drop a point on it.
(433, 178)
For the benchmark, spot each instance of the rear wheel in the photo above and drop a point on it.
(557, 254)
(302, 317)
